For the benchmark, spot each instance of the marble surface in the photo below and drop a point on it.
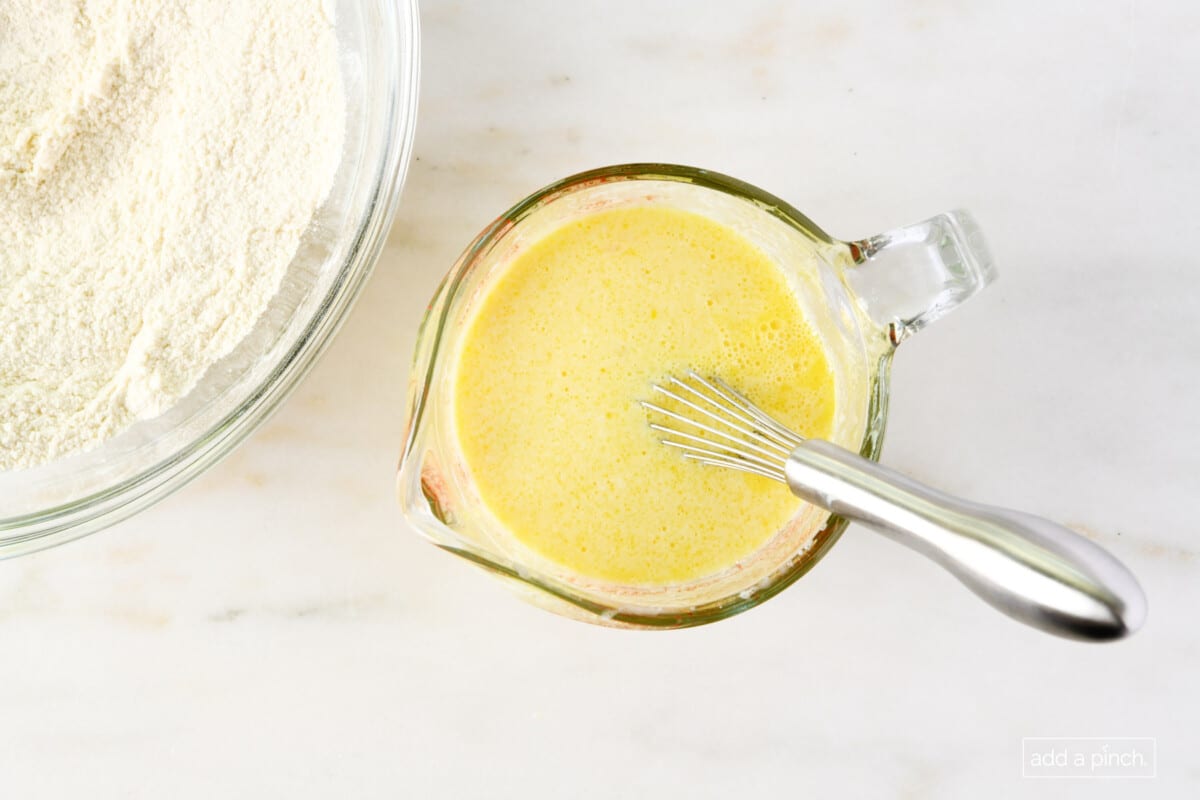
(276, 630)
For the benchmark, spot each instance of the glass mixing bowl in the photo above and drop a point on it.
(379, 55)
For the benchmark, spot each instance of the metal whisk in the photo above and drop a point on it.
(1034, 570)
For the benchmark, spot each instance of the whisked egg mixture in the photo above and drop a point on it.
(567, 340)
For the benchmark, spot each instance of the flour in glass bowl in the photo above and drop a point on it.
(159, 165)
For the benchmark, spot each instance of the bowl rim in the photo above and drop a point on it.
(88, 514)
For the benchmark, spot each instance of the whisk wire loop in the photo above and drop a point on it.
(747, 439)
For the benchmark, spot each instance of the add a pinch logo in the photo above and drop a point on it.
(1088, 757)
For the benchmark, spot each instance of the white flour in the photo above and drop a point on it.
(159, 162)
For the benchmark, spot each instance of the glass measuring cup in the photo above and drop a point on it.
(863, 298)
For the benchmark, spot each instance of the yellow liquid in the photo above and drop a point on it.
(565, 343)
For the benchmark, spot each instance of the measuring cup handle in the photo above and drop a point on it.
(907, 278)
(1034, 570)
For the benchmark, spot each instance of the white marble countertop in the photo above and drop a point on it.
(276, 629)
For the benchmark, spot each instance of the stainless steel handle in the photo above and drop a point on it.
(1034, 570)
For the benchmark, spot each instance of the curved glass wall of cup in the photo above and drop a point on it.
(435, 487)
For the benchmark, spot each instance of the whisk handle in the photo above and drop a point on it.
(1034, 570)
